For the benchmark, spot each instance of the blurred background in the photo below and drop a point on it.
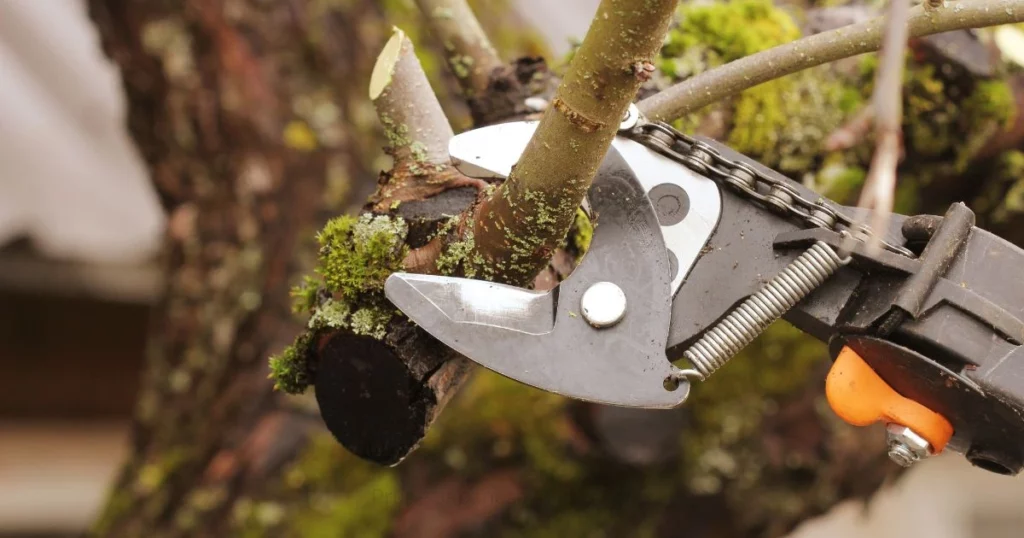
(81, 229)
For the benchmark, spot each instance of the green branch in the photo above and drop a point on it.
(468, 51)
(734, 77)
(517, 228)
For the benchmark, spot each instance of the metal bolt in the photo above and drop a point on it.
(906, 447)
(630, 118)
(603, 304)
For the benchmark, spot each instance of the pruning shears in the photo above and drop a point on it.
(697, 249)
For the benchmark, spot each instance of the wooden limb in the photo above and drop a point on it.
(494, 91)
(468, 51)
(244, 172)
(518, 227)
(851, 40)
(379, 394)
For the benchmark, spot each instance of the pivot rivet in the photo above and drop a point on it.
(603, 304)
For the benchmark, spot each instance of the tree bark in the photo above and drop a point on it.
(245, 119)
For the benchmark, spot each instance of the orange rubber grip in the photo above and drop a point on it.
(859, 396)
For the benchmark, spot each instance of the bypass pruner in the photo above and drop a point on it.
(697, 249)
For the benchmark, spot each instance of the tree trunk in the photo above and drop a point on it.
(253, 120)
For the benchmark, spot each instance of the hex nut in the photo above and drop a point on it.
(906, 446)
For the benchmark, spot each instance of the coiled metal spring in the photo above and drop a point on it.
(723, 341)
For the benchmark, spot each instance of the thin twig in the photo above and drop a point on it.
(887, 100)
(851, 40)
(468, 51)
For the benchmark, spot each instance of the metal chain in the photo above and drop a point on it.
(745, 179)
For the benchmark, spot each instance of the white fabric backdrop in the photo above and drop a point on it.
(70, 179)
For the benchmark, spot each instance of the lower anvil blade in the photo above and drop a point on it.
(526, 336)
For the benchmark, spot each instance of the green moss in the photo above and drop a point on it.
(1013, 202)
(730, 30)
(290, 369)
(581, 234)
(358, 254)
(837, 178)
(304, 296)
(452, 258)
(782, 122)
(344, 496)
(371, 321)
(462, 66)
(993, 99)
(943, 119)
(331, 314)
(1003, 194)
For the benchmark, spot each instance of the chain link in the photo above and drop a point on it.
(774, 194)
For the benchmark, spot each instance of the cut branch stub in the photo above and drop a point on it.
(378, 397)
(416, 127)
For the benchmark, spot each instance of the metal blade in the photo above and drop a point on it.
(542, 339)
(492, 151)
(473, 302)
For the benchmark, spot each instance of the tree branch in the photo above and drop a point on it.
(402, 96)
(468, 51)
(399, 377)
(518, 227)
(887, 101)
(734, 77)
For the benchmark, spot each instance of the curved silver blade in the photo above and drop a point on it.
(541, 339)
(473, 302)
(492, 151)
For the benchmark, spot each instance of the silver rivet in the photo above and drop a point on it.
(603, 304)
(630, 119)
